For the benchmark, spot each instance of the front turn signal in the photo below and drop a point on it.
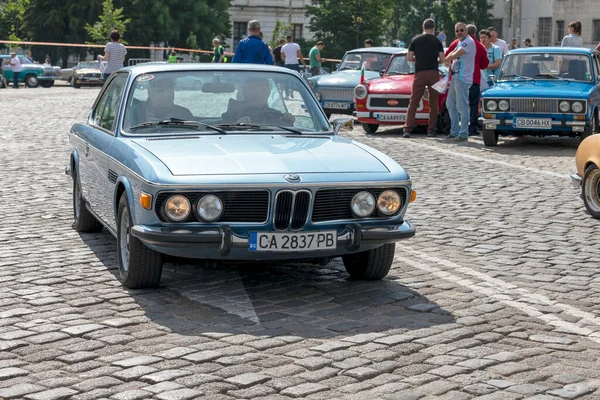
(413, 196)
(146, 200)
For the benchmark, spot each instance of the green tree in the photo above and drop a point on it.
(111, 18)
(345, 24)
(12, 17)
(280, 31)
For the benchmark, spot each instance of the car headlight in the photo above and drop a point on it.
(363, 204)
(503, 105)
(491, 105)
(177, 208)
(564, 106)
(577, 106)
(209, 207)
(360, 92)
(389, 202)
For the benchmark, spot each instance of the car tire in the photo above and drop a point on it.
(371, 264)
(370, 128)
(74, 84)
(83, 219)
(443, 122)
(31, 81)
(47, 84)
(490, 137)
(593, 128)
(139, 266)
(590, 190)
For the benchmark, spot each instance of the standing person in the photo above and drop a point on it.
(47, 62)
(218, 52)
(252, 50)
(427, 52)
(3, 83)
(368, 43)
(172, 58)
(527, 42)
(494, 54)
(114, 54)
(291, 54)
(513, 44)
(462, 61)
(496, 41)
(28, 59)
(315, 58)
(15, 63)
(573, 39)
(277, 54)
(481, 62)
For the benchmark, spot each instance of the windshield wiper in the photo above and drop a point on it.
(345, 68)
(517, 77)
(176, 122)
(553, 77)
(243, 125)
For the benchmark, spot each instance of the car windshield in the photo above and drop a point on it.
(85, 65)
(221, 101)
(550, 66)
(372, 61)
(399, 66)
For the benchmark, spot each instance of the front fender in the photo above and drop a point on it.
(123, 185)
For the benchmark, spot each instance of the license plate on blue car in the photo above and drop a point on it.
(292, 241)
(532, 123)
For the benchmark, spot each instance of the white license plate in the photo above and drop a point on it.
(338, 106)
(391, 117)
(293, 241)
(532, 123)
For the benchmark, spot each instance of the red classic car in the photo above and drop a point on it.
(384, 101)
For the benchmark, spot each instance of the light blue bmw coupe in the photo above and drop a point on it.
(210, 161)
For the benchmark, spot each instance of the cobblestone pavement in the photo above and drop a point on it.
(497, 297)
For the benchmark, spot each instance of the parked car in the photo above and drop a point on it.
(230, 171)
(85, 73)
(335, 91)
(544, 91)
(587, 177)
(384, 101)
(32, 75)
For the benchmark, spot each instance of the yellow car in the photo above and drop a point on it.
(587, 177)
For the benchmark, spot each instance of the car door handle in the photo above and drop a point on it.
(87, 149)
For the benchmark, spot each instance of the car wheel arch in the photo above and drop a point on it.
(123, 186)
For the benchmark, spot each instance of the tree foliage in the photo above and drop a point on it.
(111, 18)
(280, 31)
(12, 16)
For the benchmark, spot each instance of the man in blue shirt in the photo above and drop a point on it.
(252, 50)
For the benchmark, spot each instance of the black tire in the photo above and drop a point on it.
(593, 128)
(490, 137)
(47, 84)
(370, 128)
(140, 267)
(31, 81)
(74, 84)
(590, 190)
(83, 219)
(443, 122)
(372, 264)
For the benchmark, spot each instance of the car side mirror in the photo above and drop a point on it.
(493, 78)
(380, 73)
(339, 124)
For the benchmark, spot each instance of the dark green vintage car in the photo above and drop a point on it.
(32, 75)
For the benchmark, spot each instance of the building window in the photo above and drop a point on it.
(545, 32)
(596, 30)
(239, 32)
(497, 23)
(560, 31)
(297, 31)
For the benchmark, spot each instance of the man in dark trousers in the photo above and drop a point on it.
(277, 54)
(427, 52)
(481, 62)
(252, 49)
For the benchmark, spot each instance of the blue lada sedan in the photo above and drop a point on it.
(228, 169)
(544, 91)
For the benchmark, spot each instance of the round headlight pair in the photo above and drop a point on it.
(363, 203)
(493, 105)
(360, 92)
(177, 208)
(576, 106)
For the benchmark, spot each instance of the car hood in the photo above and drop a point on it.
(539, 89)
(396, 84)
(87, 71)
(260, 154)
(348, 78)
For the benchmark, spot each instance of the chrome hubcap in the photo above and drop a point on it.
(124, 240)
(592, 190)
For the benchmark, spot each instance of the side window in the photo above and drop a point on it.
(108, 106)
(597, 67)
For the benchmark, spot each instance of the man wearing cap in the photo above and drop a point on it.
(252, 49)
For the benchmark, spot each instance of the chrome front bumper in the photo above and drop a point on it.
(576, 181)
(352, 237)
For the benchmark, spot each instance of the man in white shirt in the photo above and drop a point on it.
(496, 41)
(15, 64)
(463, 65)
(290, 55)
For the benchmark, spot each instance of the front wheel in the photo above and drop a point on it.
(490, 137)
(593, 128)
(31, 80)
(370, 128)
(590, 190)
(139, 266)
(443, 122)
(371, 264)
(74, 84)
(47, 84)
